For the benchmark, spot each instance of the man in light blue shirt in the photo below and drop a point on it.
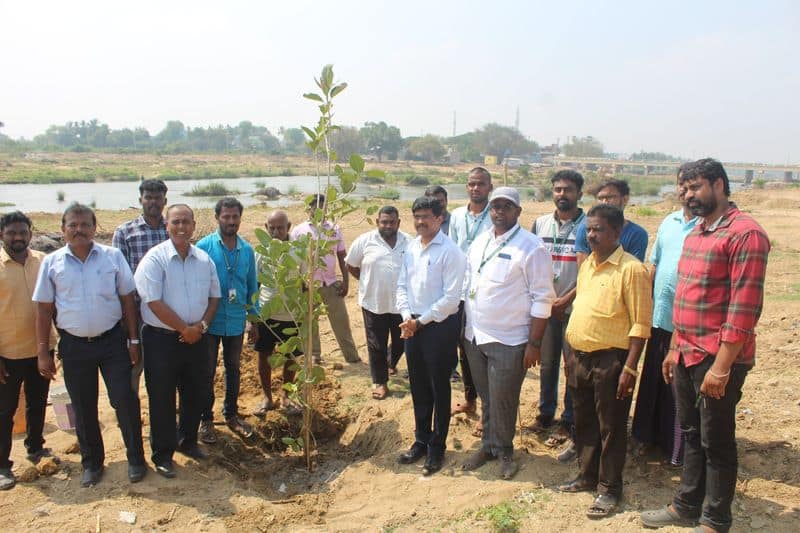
(466, 223)
(428, 293)
(89, 288)
(654, 421)
(179, 289)
(236, 268)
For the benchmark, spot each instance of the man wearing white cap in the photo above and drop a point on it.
(509, 296)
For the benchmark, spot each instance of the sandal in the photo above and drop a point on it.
(379, 392)
(291, 408)
(266, 406)
(478, 431)
(540, 424)
(465, 407)
(558, 438)
(603, 505)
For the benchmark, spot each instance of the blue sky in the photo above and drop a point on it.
(687, 78)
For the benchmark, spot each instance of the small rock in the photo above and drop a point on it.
(28, 475)
(746, 411)
(47, 466)
(73, 448)
(772, 383)
(757, 522)
(282, 488)
(128, 517)
(338, 366)
(42, 510)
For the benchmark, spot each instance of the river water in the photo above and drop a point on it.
(122, 195)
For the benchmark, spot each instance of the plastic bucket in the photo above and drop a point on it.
(62, 407)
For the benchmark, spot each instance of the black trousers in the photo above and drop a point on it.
(378, 329)
(708, 478)
(172, 366)
(601, 420)
(81, 360)
(36, 387)
(470, 392)
(431, 358)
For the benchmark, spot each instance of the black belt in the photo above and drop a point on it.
(579, 353)
(65, 333)
(163, 331)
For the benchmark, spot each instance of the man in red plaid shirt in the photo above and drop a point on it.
(718, 302)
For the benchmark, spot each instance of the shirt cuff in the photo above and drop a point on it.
(732, 334)
(425, 318)
(541, 310)
(406, 315)
(641, 331)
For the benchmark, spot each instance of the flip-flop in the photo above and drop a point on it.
(556, 439)
(478, 431)
(603, 506)
(465, 407)
(380, 392)
(265, 407)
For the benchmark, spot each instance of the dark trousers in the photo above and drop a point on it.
(173, 365)
(22, 371)
(601, 420)
(431, 358)
(708, 478)
(655, 417)
(553, 346)
(81, 360)
(231, 357)
(378, 329)
(470, 393)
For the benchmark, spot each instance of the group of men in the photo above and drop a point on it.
(472, 281)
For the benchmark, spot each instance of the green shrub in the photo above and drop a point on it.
(211, 189)
(388, 194)
(759, 183)
(418, 180)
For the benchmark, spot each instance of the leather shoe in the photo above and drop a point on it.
(433, 464)
(194, 451)
(166, 469)
(90, 478)
(577, 485)
(136, 473)
(414, 454)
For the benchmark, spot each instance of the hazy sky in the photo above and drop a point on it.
(687, 78)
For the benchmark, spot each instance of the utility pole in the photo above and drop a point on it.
(516, 119)
(454, 123)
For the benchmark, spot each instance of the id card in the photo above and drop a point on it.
(231, 295)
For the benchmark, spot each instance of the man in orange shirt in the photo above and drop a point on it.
(19, 267)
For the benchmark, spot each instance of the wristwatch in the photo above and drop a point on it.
(203, 326)
(536, 343)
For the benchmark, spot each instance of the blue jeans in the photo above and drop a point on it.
(553, 345)
(231, 357)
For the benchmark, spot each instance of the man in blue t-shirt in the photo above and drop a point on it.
(633, 238)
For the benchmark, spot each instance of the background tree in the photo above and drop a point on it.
(584, 147)
(428, 148)
(381, 139)
(294, 141)
(494, 139)
(346, 141)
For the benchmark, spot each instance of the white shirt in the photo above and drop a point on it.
(184, 285)
(514, 284)
(431, 279)
(380, 267)
(465, 227)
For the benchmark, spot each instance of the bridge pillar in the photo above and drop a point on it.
(787, 176)
(614, 169)
(748, 177)
(647, 170)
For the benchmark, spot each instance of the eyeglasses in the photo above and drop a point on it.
(503, 207)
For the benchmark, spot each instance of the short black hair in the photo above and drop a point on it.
(709, 169)
(432, 190)
(228, 202)
(389, 210)
(568, 175)
(316, 200)
(152, 185)
(481, 170)
(13, 217)
(683, 170)
(173, 206)
(621, 185)
(427, 202)
(610, 213)
(76, 208)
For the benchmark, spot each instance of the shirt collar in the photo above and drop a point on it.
(575, 220)
(222, 243)
(678, 216)
(141, 222)
(5, 258)
(469, 213)
(174, 251)
(68, 251)
(614, 258)
(505, 236)
(722, 222)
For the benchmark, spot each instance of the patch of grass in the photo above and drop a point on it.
(60, 196)
(759, 183)
(260, 184)
(792, 294)
(292, 190)
(504, 517)
(388, 194)
(418, 180)
(211, 189)
(645, 211)
(7, 204)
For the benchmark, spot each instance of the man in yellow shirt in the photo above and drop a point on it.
(609, 325)
(19, 267)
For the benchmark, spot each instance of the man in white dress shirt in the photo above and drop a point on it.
(374, 260)
(180, 291)
(428, 292)
(509, 295)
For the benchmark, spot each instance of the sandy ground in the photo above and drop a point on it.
(357, 485)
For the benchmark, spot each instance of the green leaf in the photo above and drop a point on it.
(338, 170)
(330, 194)
(347, 181)
(371, 210)
(375, 173)
(317, 374)
(311, 134)
(313, 96)
(339, 88)
(357, 163)
(326, 79)
(277, 360)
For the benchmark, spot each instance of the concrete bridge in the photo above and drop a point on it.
(617, 165)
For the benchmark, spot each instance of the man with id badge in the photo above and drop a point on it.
(236, 268)
(558, 231)
(509, 295)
